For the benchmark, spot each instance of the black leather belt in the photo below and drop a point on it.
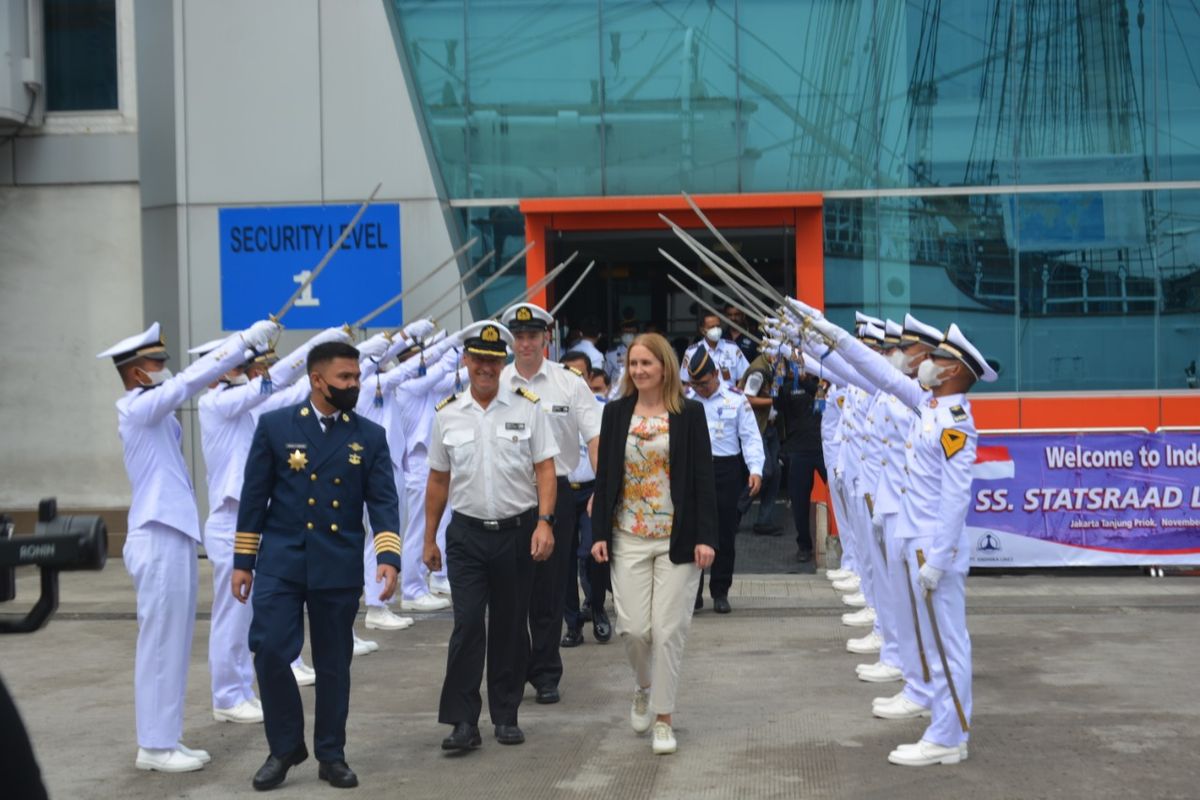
(726, 459)
(563, 480)
(524, 520)
(585, 485)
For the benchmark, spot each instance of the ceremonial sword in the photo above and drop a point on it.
(941, 648)
(710, 307)
(530, 291)
(751, 302)
(503, 269)
(705, 284)
(478, 265)
(454, 257)
(571, 291)
(912, 602)
(312, 275)
(770, 290)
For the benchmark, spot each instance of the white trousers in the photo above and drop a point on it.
(950, 605)
(845, 532)
(916, 688)
(229, 660)
(654, 599)
(414, 576)
(890, 594)
(162, 563)
(371, 587)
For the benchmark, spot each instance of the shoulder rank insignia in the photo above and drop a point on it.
(528, 395)
(959, 413)
(569, 368)
(445, 401)
(953, 441)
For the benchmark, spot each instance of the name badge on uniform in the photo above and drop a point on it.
(560, 409)
(728, 413)
(514, 426)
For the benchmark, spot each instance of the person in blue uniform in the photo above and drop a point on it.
(311, 469)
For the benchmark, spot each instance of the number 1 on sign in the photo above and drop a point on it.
(306, 297)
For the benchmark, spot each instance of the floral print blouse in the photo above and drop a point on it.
(645, 507)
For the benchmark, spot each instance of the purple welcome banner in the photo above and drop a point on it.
(1086, 499)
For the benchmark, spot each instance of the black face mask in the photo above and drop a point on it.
(343, 399)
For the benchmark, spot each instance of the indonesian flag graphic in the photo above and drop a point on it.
(992, 463)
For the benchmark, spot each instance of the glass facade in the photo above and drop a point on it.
(958, 141)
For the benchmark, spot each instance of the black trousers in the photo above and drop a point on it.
(18, 767)
(730, 474)
(490, 574)
(276, 637)
(584, 571)
(547, 601)
(801, 467)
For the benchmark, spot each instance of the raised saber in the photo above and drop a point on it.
(312, 275)
(571, 291)
(713, 309)
(753, 274)
(705, 284)
(478, 265)
(530, 291)
(362, 322)
(941, 648)
(748, 300)
(505, 267)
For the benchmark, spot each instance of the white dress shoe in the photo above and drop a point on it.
(256, 702)
(925, 754)
(900, 708)
(426, 602)
(304, 674)
(879, 673)
(851, 584)
(244, 712)
(381, 618)
(640, 717)
(439, 585)
(891, 698)
(865, 645)
(364, 646)
(664, 739)
(167, 760)
(202, 755)
(863, 618)
(856, 600)
(837, 574)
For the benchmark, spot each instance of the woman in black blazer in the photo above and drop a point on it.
(654, 516)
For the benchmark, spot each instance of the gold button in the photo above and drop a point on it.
(312, 477)
(312, 501)
(336, 504)
(311, 526)
(333, 527)
(337, 481)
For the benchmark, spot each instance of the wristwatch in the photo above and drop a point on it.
(550, 518)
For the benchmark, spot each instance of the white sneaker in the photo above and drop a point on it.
(304, 674)
(879, 673)
(439, 585)
(856, 600)
(244, 712)
(837, 574)
(364, 646)
(201, 755)
(639, 715)
(865, 645)
(167, 760)
(900, 708)
(924, 754)
(885, 701)
(664, 739)
(426, 602)
(381, 618)
(863, 618)
(851, 584)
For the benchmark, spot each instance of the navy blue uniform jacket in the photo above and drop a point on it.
(301, 511)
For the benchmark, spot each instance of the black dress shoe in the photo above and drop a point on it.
(601, 627)
(338, 773)
(509, 734)
(721, 605)
(572, 638)
(274, 769)
(804, 556)
(547, 695)
(465, 736)
(768, 530)
(585, 612)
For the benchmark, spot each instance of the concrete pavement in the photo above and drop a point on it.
(1084, 688)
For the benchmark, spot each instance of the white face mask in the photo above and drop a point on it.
(929, 374)
(237, 380)
(898, 360)
(627, 339)
(713, 334)
(157, 378)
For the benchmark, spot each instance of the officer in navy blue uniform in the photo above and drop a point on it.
(311, 469)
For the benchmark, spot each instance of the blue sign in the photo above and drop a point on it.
(266, 253)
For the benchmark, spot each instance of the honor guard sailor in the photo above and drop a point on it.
(164, 529)
(311, 469)
(491, 456)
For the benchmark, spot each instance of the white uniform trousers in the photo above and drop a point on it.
(845, 534)
(162, 563)
(413, 574)
(860, 525)
(950, 605)
(229, 660)
(904, 648)
(654, 599)
(371, 587)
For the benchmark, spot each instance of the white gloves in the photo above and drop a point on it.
(804, 309)
(418, 330)
(331, 335)
(828, 329)
(374, 347)
(929, 576)
(259, 335)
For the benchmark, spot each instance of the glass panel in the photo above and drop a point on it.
(500, 229)
(81, 55)
(434, 43)
(1175, 72)
(533, 72)
(670, 97)
(1177, 251)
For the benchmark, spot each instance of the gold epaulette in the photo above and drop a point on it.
(528, 395)
(569, 368)
(445, 402)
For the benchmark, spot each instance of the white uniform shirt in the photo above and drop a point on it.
(150, 435)
(567, 402)
(730, 360)
(732, 427)
(614, 361)
(490, 453)
(586, 347)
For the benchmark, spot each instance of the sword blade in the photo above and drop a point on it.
(530, 291)
(722, 270)
(711, 288)
(492, 279)
(941, 648)
(751, 272)
(713, 309)
(554, 311)
(453, 257)
(478, 265)
(912, 602)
